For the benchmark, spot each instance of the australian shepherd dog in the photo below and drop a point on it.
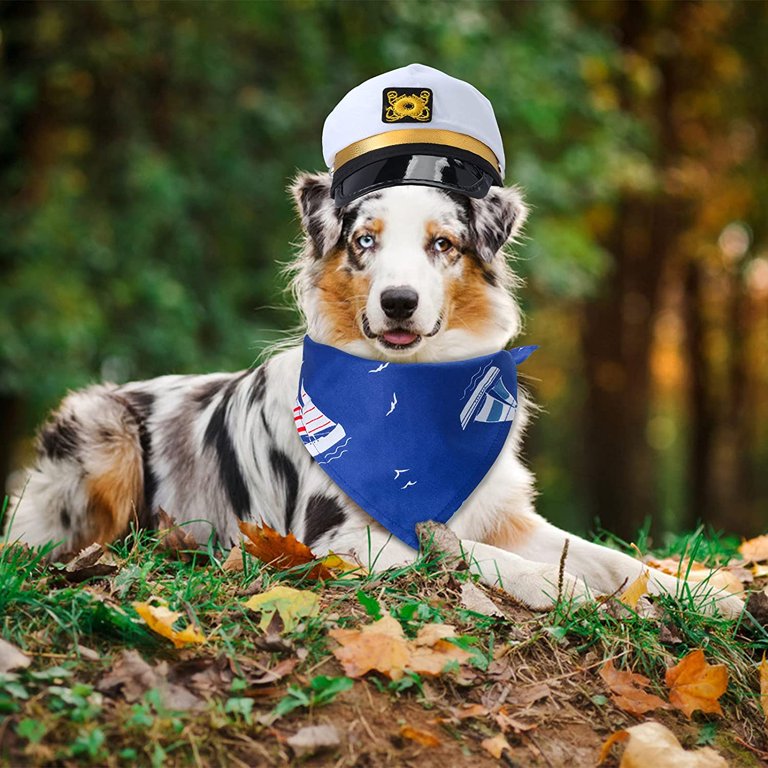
(406, 274)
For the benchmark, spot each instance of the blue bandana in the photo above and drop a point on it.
(408, 442)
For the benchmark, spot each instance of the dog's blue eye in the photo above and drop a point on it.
(366, 241)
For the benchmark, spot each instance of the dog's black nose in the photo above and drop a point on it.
(399, 303)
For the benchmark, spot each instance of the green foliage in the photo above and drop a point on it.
(321, 690)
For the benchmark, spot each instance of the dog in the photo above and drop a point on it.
(216, 449)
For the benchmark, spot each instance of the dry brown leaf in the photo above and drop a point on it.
(234, 561)
(651, 745)
(469, 710)
(429, 634)
(635, 591)
(755, 549)
(174, 539)
(132, 677)
(161, 620)
(425, 738)
(496, 745)
(91, 562)
(272, 548)
(506, 723)
(764, 686)
(626, 690)
(12, 657)
(694, 684)
(383, 647)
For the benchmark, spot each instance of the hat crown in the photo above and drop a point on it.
(414, 97)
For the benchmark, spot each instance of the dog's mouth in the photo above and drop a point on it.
(400, 338)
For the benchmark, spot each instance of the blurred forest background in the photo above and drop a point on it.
(145, 148)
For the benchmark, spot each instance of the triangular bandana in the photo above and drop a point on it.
(408, 442)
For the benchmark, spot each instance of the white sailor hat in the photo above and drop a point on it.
(413, 125)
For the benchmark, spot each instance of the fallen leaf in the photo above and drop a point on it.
(274, 674)
(755, 549)
(696, 572)
(694, 684)
(174, 539)
(383, 647)
(161, 620)
(91, 562)
(439, 540)
(635, 591)
(651, 745)
(234, 561)
(272, 548)
(12, 658)
(469, 710)
(506, 723)
(313, 739)
(496, 745)
(474, 599)
(131, 676)
(292, 605)
(759, 570)
(627, 690)
(425, 738)
(339, 564)
(764, 686)
(272, 640)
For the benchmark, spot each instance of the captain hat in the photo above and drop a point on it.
(413, 125)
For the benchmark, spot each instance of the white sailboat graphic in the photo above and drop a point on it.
(317, 431)
(490, 401)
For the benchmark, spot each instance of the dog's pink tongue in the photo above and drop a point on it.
(401, 338)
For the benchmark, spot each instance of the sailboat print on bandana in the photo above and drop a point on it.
(490, 401)
(318, 433)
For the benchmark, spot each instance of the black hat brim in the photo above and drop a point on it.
(431, 165)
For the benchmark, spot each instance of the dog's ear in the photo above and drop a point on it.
(495, 220)
(319, 216)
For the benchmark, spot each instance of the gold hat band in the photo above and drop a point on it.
(415, 136)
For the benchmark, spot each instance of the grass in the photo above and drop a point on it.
(54, 713)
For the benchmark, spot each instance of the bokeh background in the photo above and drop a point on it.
(145, 148)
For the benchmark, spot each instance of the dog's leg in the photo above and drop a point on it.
(534, 584)
(604, 570)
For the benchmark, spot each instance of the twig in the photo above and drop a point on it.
(561, 574)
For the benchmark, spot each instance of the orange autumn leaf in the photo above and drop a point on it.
(694, 684)
(627, 690)
(425, 738)
(635, 591)
(161, 620)
(383, 647)
(764, 686)
(755, 549)
(273, 548)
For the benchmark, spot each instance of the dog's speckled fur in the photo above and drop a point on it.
(215, 449)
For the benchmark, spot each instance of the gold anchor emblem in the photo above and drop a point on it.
(401, 105)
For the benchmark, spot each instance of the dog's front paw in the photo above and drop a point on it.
(706, 598)
(539, 587)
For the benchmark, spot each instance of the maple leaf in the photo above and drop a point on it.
(626, 690)
(694, 684)
(764, 686)
(272, 548)
(383, 647)
(635, 591)
(652, 744)
(425, 738)
(292, 605)
(755, 549)
(161, 620)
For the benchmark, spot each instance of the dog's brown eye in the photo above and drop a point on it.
(366, 241)
(442, 245)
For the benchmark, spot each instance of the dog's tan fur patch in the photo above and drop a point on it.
(511, 531)
(114, 492)
(468, 301)
(343, 294)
